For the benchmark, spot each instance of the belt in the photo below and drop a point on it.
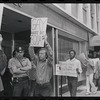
(43, 84)
(21, 78)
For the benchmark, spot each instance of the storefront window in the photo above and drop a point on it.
(64, 46)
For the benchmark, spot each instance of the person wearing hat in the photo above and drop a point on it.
(3, 65)
(44, 63)
(19, 67)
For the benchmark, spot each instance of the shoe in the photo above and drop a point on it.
(87, 93)
(94, 92)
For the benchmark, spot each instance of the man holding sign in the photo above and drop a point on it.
(74, 68)
(44, 64)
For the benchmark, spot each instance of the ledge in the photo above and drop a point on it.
(63, 13)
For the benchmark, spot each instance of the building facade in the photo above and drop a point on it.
(70, 26)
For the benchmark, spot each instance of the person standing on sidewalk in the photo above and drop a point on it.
(44, 64)
(97, 73)
(89, 76)
(19, 67)
(72, 80)
(95, 59)
(3, 65)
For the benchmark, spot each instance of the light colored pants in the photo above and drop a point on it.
(89, 82)
(1, 85)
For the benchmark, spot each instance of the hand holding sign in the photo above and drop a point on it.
(82, 59)
(45, 38)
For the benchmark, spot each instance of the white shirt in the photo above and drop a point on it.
(95, 61)
(74, 64)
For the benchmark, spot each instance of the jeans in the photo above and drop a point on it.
(21, 88)
(2, 94)
(43, 90)
(72, 85)
(32, 88)
(99, 84)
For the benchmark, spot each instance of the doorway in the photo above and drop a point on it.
(15, 30)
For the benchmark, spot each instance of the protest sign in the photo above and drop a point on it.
(65, 69)
(38, 30)
(82, 58)
(61, 69)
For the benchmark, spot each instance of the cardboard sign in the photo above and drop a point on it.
(38, 30)
(65, 70)
(82, 58)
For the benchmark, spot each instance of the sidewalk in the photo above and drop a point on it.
(81, 90)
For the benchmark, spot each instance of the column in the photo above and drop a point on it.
(95, 19)
(99, 18)
(88, 16)
(54, 86)
(80, 12)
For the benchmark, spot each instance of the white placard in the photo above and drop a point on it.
(65, 70)
(38, 30)
(82, 58)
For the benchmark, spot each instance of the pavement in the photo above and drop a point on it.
(81, 92)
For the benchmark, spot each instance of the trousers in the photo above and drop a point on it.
(21, 88)
(43, 90)
(89, 82)
(32, 88)
(72, 85)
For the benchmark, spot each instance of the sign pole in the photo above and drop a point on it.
(61, 86)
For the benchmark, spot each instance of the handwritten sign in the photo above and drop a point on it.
(82, 58)
(38, 30)
(65, 69)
